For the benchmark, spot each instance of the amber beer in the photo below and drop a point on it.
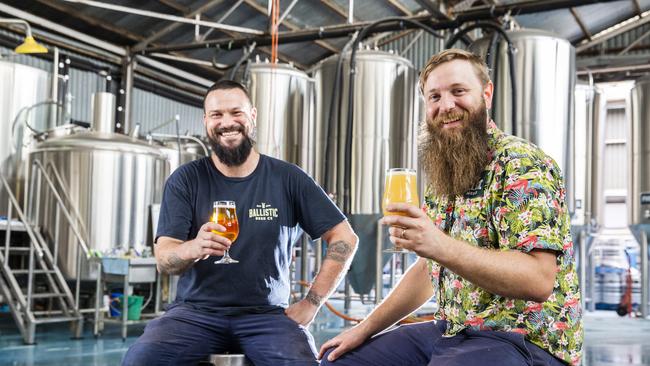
(401, 187)
(225, 214)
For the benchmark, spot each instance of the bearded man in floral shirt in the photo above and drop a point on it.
(493, 240)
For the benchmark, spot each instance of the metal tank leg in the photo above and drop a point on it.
(98, 298)
(379, 282)
(644, 274)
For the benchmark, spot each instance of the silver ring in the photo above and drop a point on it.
(403, 232)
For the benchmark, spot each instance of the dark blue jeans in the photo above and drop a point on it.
(422, 344)
(186, 336)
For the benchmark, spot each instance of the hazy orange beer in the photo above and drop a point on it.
(225, 214)
(401, 187)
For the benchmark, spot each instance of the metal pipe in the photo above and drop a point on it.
(379, 280)
(8, 233)
(174, 71)
(57, 221)
(606, 70)
(304, 264)
(128, 93)
(192, 138)
(223, 17)
(582, 258)
(644, 273)
(286, 12)
(311, 34)
(54, 88)
(318, 245)
(172, 18)
(350, 11)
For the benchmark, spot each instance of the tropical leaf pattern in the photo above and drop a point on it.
(517, 205)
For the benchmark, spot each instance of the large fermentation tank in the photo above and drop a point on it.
(111, 180)
(639, 182)
(384, 135)
(180, 152)
(22, 86)
(639, 149)
(589, 144)
(545, 79)
(284, 98)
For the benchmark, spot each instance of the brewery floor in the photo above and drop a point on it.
(609, 341)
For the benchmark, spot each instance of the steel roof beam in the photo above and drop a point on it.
(188, 14)
(399, 6)
(581, 24)
(474, 14)
(598, 40)
(289, 25)
(172, 18)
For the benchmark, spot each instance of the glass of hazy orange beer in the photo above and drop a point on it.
(401, 187)
(225, 214)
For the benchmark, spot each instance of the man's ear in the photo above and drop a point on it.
(488, 93)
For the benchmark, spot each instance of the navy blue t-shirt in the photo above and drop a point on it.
(275, 204)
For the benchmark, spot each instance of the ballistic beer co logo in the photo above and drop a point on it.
(263, 212)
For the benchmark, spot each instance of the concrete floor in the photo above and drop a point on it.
(609, 341)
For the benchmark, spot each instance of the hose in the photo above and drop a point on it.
(407, 320)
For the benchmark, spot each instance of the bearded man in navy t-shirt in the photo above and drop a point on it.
(242, 307)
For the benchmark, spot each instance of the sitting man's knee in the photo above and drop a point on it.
(141, 354)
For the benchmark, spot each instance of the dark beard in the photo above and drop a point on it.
(454, 160)
(234, 156)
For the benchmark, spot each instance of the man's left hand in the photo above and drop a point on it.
(303, 312)
(412, 229)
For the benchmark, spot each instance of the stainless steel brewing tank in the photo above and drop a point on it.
(111, 180)
(189, 151)
(386, 112)
(583, 114)
(545, 79)
(384, 135)
(22, 86)
(284, 98)
(639, 154)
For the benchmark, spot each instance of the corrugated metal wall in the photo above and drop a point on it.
(418, 51)
(621, 41)
(151, 110)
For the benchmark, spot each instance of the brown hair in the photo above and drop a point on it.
(438, 59)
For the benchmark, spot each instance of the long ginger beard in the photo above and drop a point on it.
(454, 159)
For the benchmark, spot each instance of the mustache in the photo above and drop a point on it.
(222, 130)
(450, 116)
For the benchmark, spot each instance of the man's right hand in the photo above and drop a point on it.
(206, 243)
(344, 342)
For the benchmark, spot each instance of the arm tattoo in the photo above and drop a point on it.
(313, 298)
(339, 251)
(175, 265)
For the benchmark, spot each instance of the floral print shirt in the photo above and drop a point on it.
(517, 205)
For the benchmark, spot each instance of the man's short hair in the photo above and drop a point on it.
(226, 85)
(480, 68)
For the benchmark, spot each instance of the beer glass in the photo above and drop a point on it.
(225, 214)
(401, 187)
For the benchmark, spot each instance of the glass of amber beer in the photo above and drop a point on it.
(225, 214)
(401, 187)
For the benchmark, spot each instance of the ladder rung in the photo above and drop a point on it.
(18, 249)
(45, 295)
(56, 319)
(36, 271)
